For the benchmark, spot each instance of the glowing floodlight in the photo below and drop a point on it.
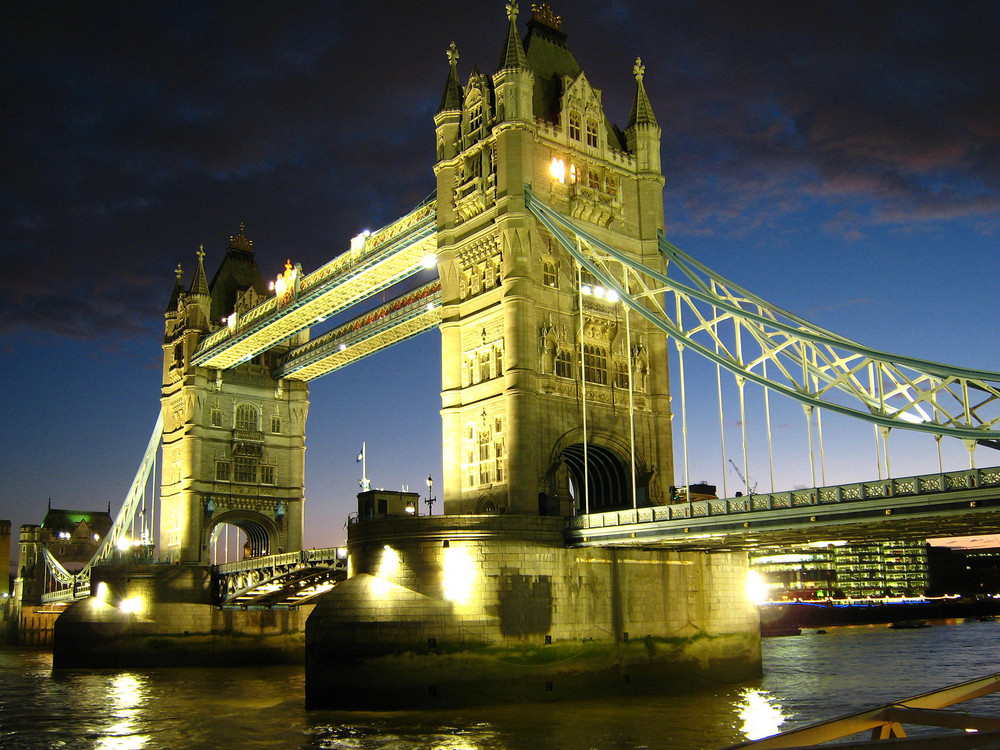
(558, 169)
(459, 574)
(430, 260)
(132, 605)
(756, 588)
(102, 591)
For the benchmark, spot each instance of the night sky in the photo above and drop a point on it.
(840, 159)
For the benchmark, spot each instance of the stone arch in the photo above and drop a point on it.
(261, 531)
(490, 505)
(603, 467)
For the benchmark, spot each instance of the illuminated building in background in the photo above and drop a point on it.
(836, 569)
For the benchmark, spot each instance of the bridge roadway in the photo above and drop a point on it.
(956, 503)
(277, 581)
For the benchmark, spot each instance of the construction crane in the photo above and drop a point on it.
(750, 490)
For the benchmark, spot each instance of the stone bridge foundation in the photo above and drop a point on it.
(162, 615)
(456, 610)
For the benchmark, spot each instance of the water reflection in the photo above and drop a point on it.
(127, 693)
(760, 712)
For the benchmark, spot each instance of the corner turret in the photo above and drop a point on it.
(642, 135)
(514, 81)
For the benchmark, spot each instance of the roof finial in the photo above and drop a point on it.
(178, 272)
(512, 11)
(452, 54)
(638, 70)
(201, 253)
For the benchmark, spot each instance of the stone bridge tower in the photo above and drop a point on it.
(541, 393)
(233, 440)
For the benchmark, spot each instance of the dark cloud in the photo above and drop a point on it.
(134, 132)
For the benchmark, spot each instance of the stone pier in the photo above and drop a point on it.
(462, 610)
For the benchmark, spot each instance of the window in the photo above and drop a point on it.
(595, 179)
(475, 118)
(498, 359)
(498, 450)
(244, 470)
(595, 364)
(267, 474)
(470, 464)
(621, 374)
(484, 365)
(484, 457)
(247, 418)
(276, 425)
(574, 125)
(611, 186)
(216, 417)
(550, 276)
(564, 363)
(592, 133)
(223, 470)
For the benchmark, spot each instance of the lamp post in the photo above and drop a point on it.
(430, 498)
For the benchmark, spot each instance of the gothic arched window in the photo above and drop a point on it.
(574, 125)
(247, 417)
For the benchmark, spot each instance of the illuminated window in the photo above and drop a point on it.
(247, 418)
(216, 417)
(267, 474)
(550, 275)
(595, 364)
(592, 133)
(276, 425)
(611, 186)
(564, 363)
(574, 125)
(244, 470)
(223, 470)
(595, 179)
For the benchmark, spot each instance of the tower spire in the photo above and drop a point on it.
(642, 110)
(199, 286)
(452, 96)
(513, 51)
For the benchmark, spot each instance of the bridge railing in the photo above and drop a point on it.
(922, 484)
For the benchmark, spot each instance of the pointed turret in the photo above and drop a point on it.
(175, 295)
(514, 81)
(642, 110)
(451, 98)
(199, 286)
(448, 120)
(642, 136)
(513, 55)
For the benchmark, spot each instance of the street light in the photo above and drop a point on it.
(430, 498)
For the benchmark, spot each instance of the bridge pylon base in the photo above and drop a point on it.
(162, 615)
(465, 610)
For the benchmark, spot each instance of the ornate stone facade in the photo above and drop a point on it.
(233, 440)
(524, 352)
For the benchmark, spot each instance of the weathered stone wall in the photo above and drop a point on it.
(479, 608)
(171, 622)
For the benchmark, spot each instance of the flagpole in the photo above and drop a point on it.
(364, 466)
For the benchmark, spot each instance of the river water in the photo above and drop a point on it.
(806, 678)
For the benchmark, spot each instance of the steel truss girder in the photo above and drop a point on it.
(388, 256)
(80, 582)
(288, 578)
(778, 350)
(399, 319)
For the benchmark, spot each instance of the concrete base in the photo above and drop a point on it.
(160, 615)
(465, 610)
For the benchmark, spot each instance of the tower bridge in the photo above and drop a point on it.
(543, 262)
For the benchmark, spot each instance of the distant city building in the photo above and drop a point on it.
(73, 537)
(889, 568)
(968, 572)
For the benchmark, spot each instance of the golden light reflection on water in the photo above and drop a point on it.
(126, 695)
(760, 712)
